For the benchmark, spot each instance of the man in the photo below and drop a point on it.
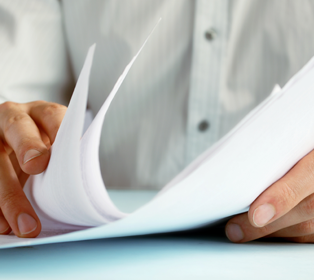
(206, 66)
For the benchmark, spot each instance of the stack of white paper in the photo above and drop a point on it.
(73, 204)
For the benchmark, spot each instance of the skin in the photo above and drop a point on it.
(285, 209)
(27, 132)
(289, 210)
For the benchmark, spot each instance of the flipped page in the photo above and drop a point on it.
(223, 181)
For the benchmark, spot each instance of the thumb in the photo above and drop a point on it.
(284, 194)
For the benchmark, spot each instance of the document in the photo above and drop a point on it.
(73, 204)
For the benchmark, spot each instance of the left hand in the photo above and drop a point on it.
(285, 209)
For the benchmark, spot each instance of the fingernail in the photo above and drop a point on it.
(263, 214)
(26, 223)
(29, 155)
(4, 226)
(234, 232)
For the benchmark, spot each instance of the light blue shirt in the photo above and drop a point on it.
(207, 65)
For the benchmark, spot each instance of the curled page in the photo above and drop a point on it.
(91, 172)
(71, 190)
(59, 191)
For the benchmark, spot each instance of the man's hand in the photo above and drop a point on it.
(27, 131)
(285, 209)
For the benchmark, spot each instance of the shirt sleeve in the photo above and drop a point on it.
(33, 54)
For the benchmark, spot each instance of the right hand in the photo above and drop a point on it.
(27, 132)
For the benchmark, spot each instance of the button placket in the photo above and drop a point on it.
(203, 117)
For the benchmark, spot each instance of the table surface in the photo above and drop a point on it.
(193, 255)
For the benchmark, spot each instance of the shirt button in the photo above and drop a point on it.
(203, 125)
(210, 34)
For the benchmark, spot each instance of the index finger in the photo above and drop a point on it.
(49, 117)
(21, 133)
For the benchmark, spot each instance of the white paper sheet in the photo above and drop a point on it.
(223, 181)
(71, 190)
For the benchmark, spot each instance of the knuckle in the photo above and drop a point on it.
(8, 105)
(10, 199)
(288, 193)
(52, 109)
(12, 120)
